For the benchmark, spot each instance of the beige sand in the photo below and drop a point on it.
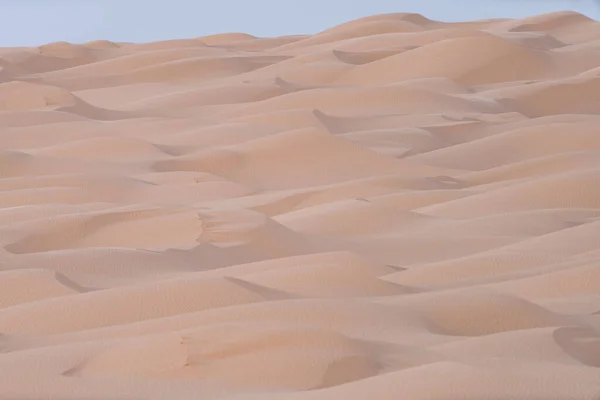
(394, 208)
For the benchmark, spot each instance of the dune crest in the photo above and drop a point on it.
(391, 208)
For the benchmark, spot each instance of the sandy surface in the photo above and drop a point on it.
(394, 208)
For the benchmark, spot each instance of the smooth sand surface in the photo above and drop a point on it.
(393, 208)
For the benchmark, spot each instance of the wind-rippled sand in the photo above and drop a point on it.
(394, 208)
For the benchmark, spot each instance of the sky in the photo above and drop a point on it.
(37, 22)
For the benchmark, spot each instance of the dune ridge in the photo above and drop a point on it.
(392, 208)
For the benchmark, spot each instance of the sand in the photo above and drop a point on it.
(393, 208)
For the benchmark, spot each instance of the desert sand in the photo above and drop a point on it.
(393, 208)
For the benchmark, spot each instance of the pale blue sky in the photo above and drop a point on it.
(35, 22)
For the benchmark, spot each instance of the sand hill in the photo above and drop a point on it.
(393, 208)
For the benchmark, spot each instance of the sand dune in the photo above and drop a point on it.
(490, 61)
(394, 207)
